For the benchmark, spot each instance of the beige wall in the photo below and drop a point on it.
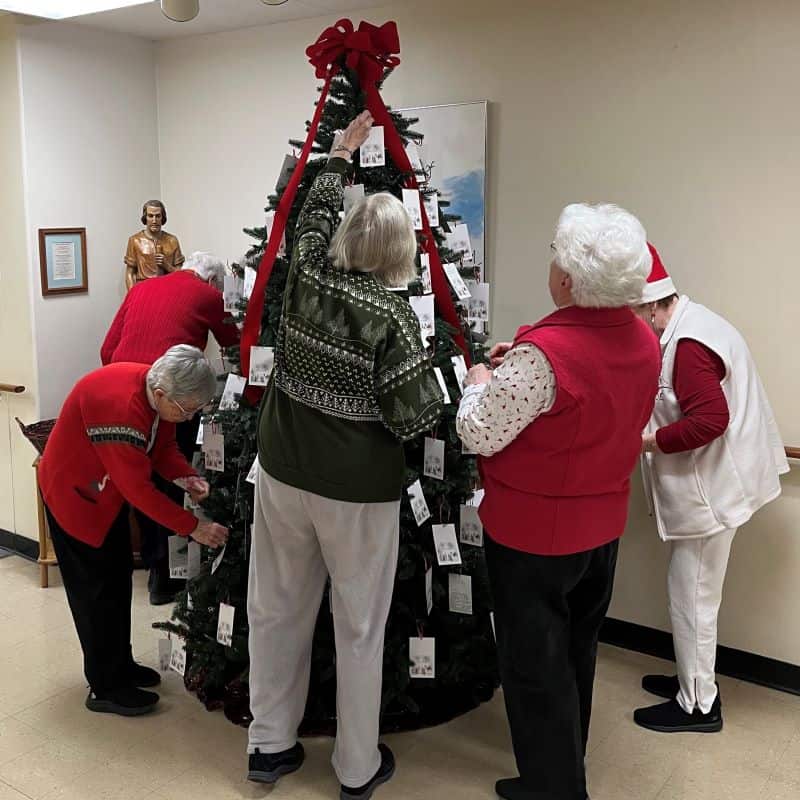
(17, 356)
(683, 112)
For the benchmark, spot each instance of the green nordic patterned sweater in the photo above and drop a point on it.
(351, 380)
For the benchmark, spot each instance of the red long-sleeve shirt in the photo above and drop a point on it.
(102, 453)
(696, 379)
(161, 312)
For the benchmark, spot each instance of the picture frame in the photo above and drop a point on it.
(62, 261)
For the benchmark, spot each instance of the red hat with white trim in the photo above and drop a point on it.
(659, 285)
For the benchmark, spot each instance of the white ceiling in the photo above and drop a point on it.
(216, 15)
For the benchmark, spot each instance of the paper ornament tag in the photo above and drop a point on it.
(189, 602)
(478, 304)
(423, 308)
(352, 194)
(442, 385)
(232, 292)
(431, 200)
(460, 593)
(200, 432)
(422, 657)
(251, 476)
(456, 281)
(193, 559)
(470, 529)
(458, 241)
(234, 385)
(433, 458)
(414, 153)
(476, 499)
(419, 505)
(287, 168)
(225, 624)
(164, 654)
(177, 656)
(249, 282)
(447, 552)
(261, 361)
(218, 560)
(425, 273)
(372, 152)
(460, 369)
(412, 206)
(214, 450)
(429, 589)
(270, 224)
(178, 557)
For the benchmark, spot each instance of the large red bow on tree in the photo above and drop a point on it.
(369, 51)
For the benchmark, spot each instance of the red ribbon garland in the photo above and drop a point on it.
(369, 51)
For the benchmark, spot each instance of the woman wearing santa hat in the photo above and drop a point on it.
(712, 457)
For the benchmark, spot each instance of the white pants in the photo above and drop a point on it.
(696, 574)
(298, 539)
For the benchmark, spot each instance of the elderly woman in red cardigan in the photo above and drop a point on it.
(557, 424)
(116, 427)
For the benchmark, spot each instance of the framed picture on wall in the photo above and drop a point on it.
(62, 260)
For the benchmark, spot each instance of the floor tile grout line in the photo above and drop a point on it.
(14, 788)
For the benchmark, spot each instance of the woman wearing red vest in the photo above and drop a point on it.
(557, 424)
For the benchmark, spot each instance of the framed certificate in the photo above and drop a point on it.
(62, 260)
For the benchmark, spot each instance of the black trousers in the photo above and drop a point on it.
(154, 548)
(548, 613)
(99, 588)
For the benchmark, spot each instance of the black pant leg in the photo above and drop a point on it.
(533, 626)
(588, 603)
(118, 590)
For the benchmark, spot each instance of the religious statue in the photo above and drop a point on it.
(152, 251)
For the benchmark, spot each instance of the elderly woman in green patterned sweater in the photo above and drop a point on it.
(351, 383)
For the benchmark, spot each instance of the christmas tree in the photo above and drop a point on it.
(448, 602)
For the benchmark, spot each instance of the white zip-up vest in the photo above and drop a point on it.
(719, 486)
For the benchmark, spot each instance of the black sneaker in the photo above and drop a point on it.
(384, 773)
(127, 702)
(666, 686)
(140, 675)
(669, 717)
(268, 767)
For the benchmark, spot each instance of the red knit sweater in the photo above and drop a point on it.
(99, 455)
(158, 313)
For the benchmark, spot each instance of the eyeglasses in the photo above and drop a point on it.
(188, 413)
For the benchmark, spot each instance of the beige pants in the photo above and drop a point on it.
(298, 539)
(696, 575)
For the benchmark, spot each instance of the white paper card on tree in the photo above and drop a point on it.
(431, 200)
(251, 476)
(189, 601)
(214, 451)
(372, 153)
(352, 194)
(218, 560)
(225, 624)
(476, 499)
(429, 589)
(425, 273)
(478, 306)
(270, 224)
(433, 461)
(164, 653)
(470, 528)
(460, 368)
(412, 206)
(178, 557)
(287, 168)
(456, 281)
(442, 385)
(460, 592)
(447, 552)
(458, 241)
(177, 657)
(233, 385)
(422, 657)
(414, 153)
(193, 559)
(261, 361)
(232, 292)
(200, 431)
(249, 282)
(419, 506)
(423, 308)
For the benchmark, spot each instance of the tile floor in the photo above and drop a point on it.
(52, 748)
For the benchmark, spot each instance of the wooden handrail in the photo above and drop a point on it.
(792, 452)
(13, 388)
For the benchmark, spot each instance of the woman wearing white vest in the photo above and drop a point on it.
(712, 457)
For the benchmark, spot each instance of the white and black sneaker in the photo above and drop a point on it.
(268, 767)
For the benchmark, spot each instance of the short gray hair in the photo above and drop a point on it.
(207, 265)
(183, 373)
(603, 248)
(377, 236)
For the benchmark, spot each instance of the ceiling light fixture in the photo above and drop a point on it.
(64, 9)
(180, 10)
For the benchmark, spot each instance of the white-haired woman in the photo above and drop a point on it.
(351, 382)
(117, 427)
(557, 424)
(178, 308)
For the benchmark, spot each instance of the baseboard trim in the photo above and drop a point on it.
(21, 545)
(734, 663)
